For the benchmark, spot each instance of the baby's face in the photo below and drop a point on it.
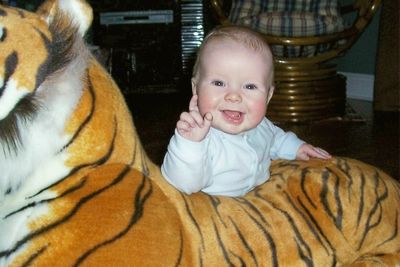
(234, 85)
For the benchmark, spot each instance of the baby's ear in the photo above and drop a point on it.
(270, 93)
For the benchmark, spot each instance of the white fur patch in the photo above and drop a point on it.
(11, 96)
(79, 12)
(14, 227)
(40, 161)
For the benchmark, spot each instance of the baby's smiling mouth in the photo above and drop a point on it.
(233, 116)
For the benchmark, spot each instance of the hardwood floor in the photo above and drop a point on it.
(374, 140)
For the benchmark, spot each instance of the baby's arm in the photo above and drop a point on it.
(192, 125)
(184, 164)
(307, 151)
(287, 145)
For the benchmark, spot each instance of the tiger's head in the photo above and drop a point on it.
(33, 48)
(60, 111)
(43, 60)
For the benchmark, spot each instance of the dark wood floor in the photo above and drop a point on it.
(374, 140)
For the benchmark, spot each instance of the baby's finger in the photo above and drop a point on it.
(322, 153)
(193, 103)
(197, 118)
(188, 118)
(183, 126)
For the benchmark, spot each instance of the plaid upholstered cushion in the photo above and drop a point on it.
(273, 17)
(244, 8)
(292, 24)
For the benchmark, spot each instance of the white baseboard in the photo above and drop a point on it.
(359, 85)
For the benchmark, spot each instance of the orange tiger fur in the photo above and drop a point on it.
(97, 200)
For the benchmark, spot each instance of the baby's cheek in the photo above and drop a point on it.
(205, 105)
(203, 109)
(259, 109)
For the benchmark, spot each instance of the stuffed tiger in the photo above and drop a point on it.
(77, 189)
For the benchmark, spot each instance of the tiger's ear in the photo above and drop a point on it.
(78, 11)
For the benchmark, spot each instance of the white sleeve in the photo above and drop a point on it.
(185, 165)
(284, 144)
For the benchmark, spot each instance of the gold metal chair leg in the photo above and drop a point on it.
(307, 94)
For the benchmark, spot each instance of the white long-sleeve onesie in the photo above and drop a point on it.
(225, 164)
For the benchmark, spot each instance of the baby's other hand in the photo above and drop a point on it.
(192, 125)
(307, 151)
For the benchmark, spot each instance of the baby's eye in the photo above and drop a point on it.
(218, 83)
(251, 86)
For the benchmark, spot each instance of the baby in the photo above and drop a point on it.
(224, 144)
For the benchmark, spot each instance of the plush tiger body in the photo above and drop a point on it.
(77, 189)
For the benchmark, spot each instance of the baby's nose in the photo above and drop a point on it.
(233, 96)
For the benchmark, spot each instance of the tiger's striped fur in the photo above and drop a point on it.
(77, 189)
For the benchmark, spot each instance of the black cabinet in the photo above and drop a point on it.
(142, 43)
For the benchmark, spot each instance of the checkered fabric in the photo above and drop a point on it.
(289, 18)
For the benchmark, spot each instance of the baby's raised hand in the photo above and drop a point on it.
(192, 125)
(306, 151)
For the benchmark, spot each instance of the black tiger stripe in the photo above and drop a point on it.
(301, 243)
(196, 224)
(350, 184)
(33, 204)
(361, 206)
(242, 263)
(289, 163)
(221, 245)
(60, 53)
(4, 34)
(279, 175)
(245, 202)
(34, 256)
(215, 203)
(325, 202)
(303, 176)
(67, 217)
(138, 206)
(60, 50)
(395, 231)
(343, 165)
(268, 237)
(313, 230)
(376, 208)
(306, 259)
(315, 222)
(10, 64)
(42, 71)
(244, 242)
(214, 200)
(89, 117)
(96, 163)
